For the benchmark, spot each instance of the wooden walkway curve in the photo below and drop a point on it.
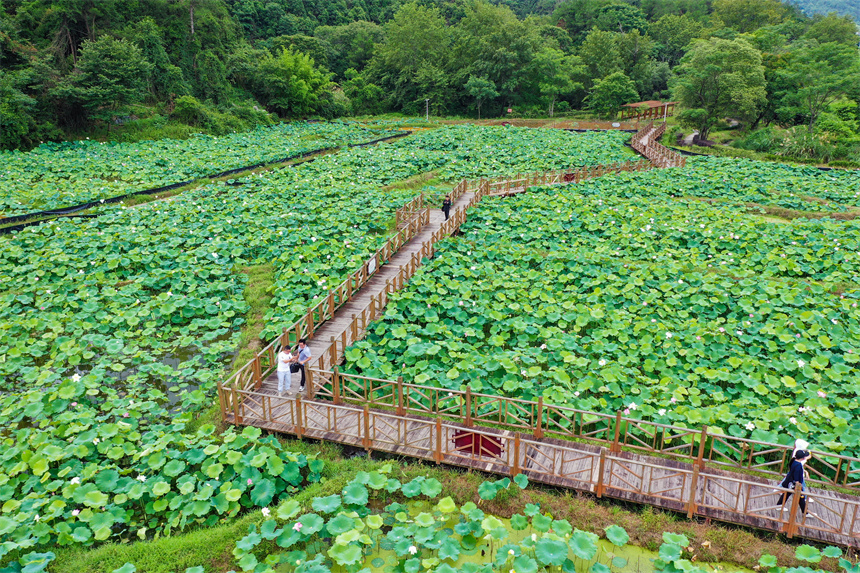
(680, 469)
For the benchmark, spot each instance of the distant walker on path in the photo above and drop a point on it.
(285, 377)
(304, 356)
(446, 206)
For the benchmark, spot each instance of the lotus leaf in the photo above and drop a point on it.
(617, 536)
(583, 544)
(328, 504)
(355, 494)
(340, 524)
(808, 553)
(525, 564)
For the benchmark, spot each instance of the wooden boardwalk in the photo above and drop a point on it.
(688, 472)
(713, 493)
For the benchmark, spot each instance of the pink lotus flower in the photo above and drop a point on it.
(822, 394)
(250, 481)
(298, 526)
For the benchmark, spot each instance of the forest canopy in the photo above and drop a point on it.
(173, 67)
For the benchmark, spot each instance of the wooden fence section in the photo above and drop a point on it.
(701, 447)
(409, 211)
(687, 488)
(257, 369)
(320, 382)
(645, 142)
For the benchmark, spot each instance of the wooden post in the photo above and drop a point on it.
(438, 455)
(285, 338)
(299, 416)
(694, 484)
(354, 328)
(310, 323)
(400, 395)
(221, 402)
(333, 351)
(516, 469)
(367, 440)
(538, 432)
(331, 302)
(703, 438)
(469, 406)
(791, 526)
(258, 374)
(601, 467)
(237, 419)
(335, 383)
(616, 445)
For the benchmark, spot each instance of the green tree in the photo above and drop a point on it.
(110, 75)
(351, 45)
(417, 40)
(166, 79)
(833, 28)
(578, 17)
(600, 53)
(481, 89)
(290, 84)
(817, 76)
(718, 77)
(365, 98)
(559, 75)
(621, 18)
(673, 34)
(16, 110)
(609, 94)
(748, 15)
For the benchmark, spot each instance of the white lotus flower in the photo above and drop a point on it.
(75, 480)
(801, 363)
(662, 411)
(141, 478)
(750, 426)
(76, 377)
(265, 511)
(413, 550)
(602, 362)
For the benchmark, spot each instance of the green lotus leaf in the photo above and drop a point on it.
(328, 504)
(541, 523)
(808, 553)
(617, 536)
(446, 505)
(551, 551)
(521, 480)
(411, 489)
(525, 564)
(311, 523)
(599, 568)
(519, 522)
(374, 521)
(345, 554)
(376, 481)
(340, 524)
(269, 530)
(488, 490)
(355, 494)
(431, 487)
(670, 552)
(583, 544)
(263, 492)
(676, 539)
(831, 551)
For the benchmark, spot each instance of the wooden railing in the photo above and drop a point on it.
(657, 153)
(360, 320)
(702, 447)
(409, 211)
(264, 363)
(687, 488)
(506, 185)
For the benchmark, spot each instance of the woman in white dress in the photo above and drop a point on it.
(285, 377)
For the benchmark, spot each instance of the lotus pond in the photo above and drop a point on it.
(56, 175)
(379, 524)
(673, 310)
(154, 295)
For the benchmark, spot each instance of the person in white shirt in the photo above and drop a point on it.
(285, 377)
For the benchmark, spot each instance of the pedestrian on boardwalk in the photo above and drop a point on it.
(303, 358)
(285, 377)
(446, 206)
(794, 476)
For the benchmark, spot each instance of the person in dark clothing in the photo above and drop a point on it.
(794, 476)
(446, 206)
